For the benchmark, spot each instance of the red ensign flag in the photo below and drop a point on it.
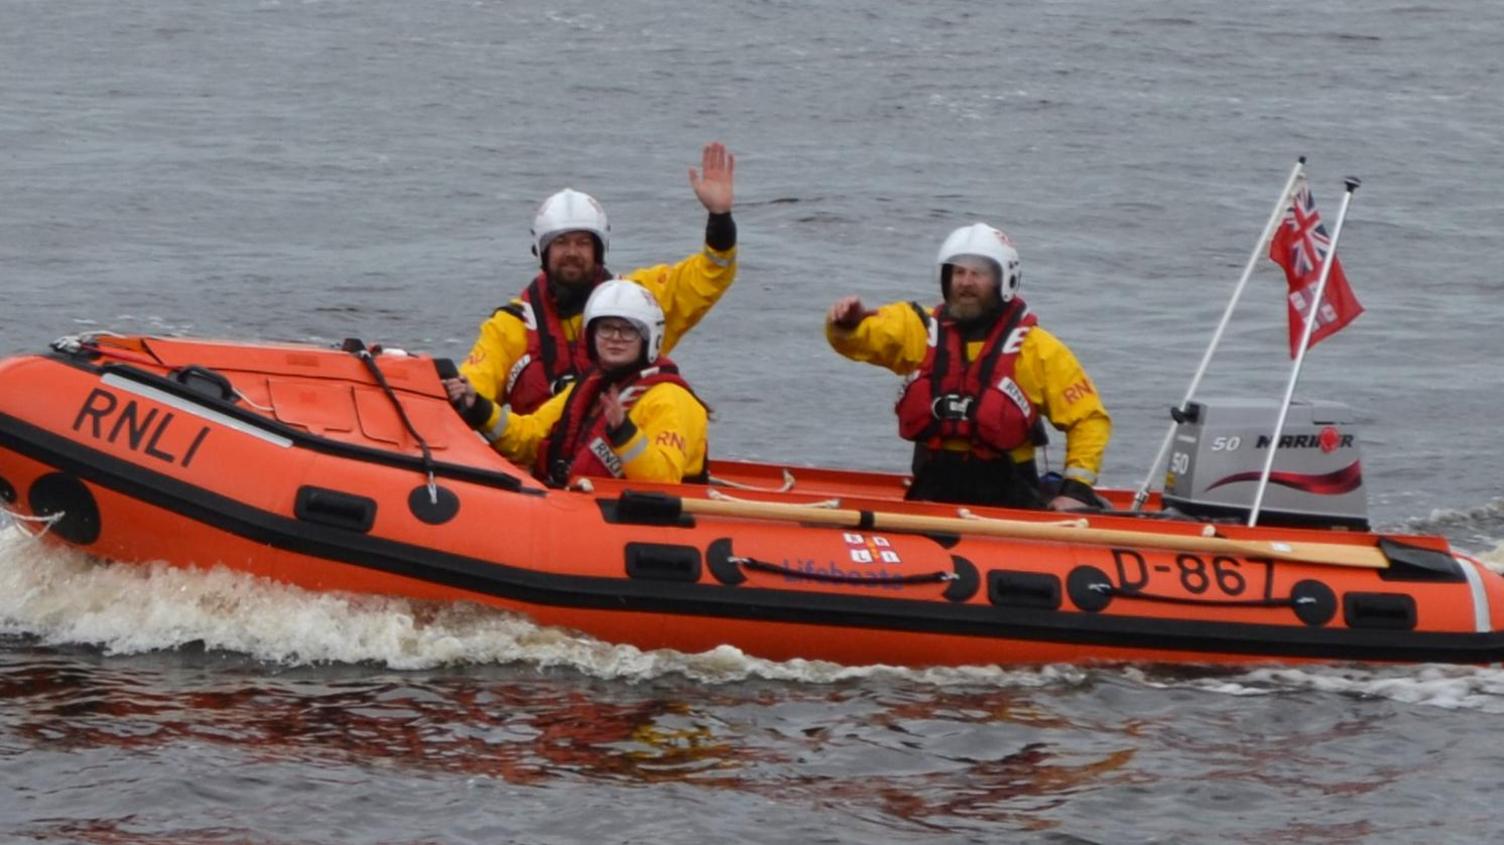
(1299, 245)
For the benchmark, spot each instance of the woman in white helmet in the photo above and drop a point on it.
(630, 416)
(530, 348)
(981, 376)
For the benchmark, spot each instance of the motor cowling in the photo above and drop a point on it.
(1220, 448)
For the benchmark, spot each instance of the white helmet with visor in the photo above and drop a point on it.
(570, 211)
(626, 300)
(987, 243)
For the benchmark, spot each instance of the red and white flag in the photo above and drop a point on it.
(1300, 244)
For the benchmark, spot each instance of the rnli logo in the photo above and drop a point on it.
(1078, 391)
(148, 430)
(607, 457)
(874, 549)
(1011, 389)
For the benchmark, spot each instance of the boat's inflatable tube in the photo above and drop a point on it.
(343, 470)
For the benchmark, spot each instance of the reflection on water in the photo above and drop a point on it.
(919, 755)
(895, 754)
(523, 731)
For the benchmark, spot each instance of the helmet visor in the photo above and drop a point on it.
(978, 264)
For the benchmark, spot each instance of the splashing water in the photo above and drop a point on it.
(61, 596)
(1473, 529)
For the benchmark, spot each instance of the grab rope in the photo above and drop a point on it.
(80, 343)
(249, 401)
(47, 521)
(1109, 590)
(727, 497)
(788, 484)
(72, 344)
(775, 569)
(359, 350)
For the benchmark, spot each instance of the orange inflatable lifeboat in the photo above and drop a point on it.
(348, 470)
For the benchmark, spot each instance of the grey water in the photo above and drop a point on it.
(322, 169)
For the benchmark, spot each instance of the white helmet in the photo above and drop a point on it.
(570, 211)
(629, 301)
(981, 241)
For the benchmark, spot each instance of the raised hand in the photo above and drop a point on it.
(714, 181)
(848, 313)
(611, 406)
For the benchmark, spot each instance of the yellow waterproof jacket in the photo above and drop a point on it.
(666, 442)
(686, 291)
(896, 337)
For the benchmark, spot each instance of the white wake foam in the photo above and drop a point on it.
(1490, 512)
(1470, 529)
(64, 597)
(1494, 558)
(1432, 685)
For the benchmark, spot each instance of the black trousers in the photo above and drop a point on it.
(964, 479)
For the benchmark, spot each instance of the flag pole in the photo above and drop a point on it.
(1179, 411)
(1300, 356)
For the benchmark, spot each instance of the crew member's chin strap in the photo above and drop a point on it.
(357, 348)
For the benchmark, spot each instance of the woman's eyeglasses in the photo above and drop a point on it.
(617, 331)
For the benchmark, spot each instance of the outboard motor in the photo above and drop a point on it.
(1219, 452)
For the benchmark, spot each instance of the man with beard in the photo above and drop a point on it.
(630, 416)
(981, 376)
(530, 348)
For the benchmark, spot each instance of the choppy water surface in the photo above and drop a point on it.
(152, 704)
(323, 169)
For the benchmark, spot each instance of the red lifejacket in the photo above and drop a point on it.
(948, 398)
(579, 446)
(552, 361)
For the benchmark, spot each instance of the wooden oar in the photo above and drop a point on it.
(1335, 554)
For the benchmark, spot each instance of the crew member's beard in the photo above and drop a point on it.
(972, 310)
(569, 298)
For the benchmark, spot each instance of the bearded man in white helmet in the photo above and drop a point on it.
(531, 348)
(981, 376)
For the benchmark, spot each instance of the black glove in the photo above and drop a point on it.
(476, 415)
(1080, 491)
